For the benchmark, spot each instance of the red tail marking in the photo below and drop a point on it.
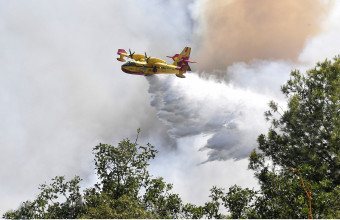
(121, 51)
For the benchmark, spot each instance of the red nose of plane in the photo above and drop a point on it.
(125, 70)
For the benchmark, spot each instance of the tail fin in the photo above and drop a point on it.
(185, 53)
(121, 53)
(181, 60)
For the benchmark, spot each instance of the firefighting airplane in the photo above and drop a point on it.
(144, 65)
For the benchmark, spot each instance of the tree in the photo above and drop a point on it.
(306, 137)
(48, 203)
(125, 189)
(238, 201)
(123, 176)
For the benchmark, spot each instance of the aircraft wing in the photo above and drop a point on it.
(163, 65)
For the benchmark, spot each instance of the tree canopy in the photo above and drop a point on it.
(297, 164)
(305, 137)
(125, 189)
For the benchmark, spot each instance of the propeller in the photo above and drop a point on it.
(146, 58)
(131, 54)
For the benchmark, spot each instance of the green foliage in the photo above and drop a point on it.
(191, 211)
(238, 201)
(125, 189)
(305, 136)
(211, 209)
(58, 200)
(309, 129)
(123, 176)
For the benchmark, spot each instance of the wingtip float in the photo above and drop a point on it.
(141, 64)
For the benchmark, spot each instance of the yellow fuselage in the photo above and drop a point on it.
(144, 68)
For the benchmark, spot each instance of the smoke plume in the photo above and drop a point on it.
(242, 30)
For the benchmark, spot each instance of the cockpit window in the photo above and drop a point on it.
(129, 63)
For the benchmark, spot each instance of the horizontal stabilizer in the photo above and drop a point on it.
(189, 61)
(121, 59)
(173, 57)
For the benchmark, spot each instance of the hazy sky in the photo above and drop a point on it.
(62, 90)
